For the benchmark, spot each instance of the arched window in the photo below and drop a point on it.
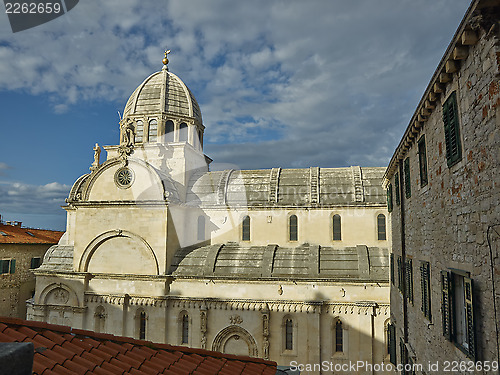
(337, 230)
(169, 131)
(201, 228)
(99, 319)
(153, 130)
(142, 325)
(245, 229)
(185, 329)
(200, 138)
(381, 227)
(293, 228)
(339, 336)
(139, 131)
(289, 334)
(183, 132)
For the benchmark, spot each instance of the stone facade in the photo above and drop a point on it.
(284, 264)
(17, 283)
(451, 220)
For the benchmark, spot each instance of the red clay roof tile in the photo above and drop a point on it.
(62, 350)
(17, 234)
(60, 370)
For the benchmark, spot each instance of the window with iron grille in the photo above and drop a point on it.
(139, 131)
(153, 131)
(339, 336)
(452, 130)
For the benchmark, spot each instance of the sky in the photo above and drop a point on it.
(291, 84)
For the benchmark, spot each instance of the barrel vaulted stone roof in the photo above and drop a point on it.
(288, 187)
(303, 262)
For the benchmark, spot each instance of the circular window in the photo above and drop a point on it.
(124, 178)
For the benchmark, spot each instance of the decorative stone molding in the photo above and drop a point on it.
(238, 333)
(235, 319)
(203, 326)
(265, 331)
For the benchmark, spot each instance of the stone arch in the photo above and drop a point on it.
(232, 334)
(90, 180)
(59, 294)
(97, 242)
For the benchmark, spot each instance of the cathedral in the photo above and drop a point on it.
(285, 264)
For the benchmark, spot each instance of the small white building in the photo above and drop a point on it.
(284, 264)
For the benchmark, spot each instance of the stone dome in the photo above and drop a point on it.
(163, 92)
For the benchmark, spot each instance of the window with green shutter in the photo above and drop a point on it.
(404, 356)
(422, 160)
(406, 169)
(7, 266)
(425, 287)
(458, 310)
(392, 269)
(409, 280)
(400, 274)
(452, 130)
(389, 198)
(392, 344)
(396, 187)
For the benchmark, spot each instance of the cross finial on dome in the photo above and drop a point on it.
(165, 60)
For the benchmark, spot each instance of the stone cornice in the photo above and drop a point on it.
(441, 76)
(314, 307)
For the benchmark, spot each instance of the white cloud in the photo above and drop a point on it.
(33, 199)
(322, 83)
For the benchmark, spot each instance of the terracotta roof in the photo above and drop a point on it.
(63, 350)
(18, 234)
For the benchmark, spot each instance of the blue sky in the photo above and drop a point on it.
(280, 84)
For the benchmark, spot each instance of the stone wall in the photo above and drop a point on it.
(448, 220)
(16, 288)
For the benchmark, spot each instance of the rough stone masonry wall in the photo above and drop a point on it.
(448, 219)
(16, 288)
